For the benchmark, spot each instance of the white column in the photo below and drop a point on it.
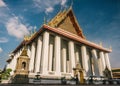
(94, 54)
(107, 61)
(50, 56)
(64, 59)
(38, 55)
(13, 64)
(31, 66)
(84, 59)
(15, 60)
(71, 55)
(21, 50)
(57, 53)
(45, 52)
(103, 60)
(100, 65)
(95, 63)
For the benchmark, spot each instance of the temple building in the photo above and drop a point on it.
(59, 49)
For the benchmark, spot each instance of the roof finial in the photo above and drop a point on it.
(24, 51)
(71, 4)
(70, 7)
(25, 37)
(45, 22)
(34, 30)
(110, 47)
(31, 33)
(100, 43)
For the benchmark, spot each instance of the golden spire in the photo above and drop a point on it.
(34, 30)
(71, 4)
(31, 33)
(100, 43)
(24, 51)
(110, 48)
(45, 22)
(25, 38)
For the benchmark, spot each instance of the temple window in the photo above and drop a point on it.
(23, 65)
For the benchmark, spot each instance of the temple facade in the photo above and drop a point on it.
(58, 49)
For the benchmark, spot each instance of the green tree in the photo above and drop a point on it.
(6, 73)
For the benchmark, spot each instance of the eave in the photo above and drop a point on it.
(65, 34)
(75, 38)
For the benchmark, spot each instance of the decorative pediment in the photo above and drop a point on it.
(67, 21)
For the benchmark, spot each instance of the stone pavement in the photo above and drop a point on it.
(49, 85)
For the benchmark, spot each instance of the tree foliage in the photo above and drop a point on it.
(5, 74)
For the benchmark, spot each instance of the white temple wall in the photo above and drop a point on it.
(12, 64)
(51, 54)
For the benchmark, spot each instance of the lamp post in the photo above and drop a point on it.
(37, 76)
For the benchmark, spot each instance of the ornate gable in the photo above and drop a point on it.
(67, 21)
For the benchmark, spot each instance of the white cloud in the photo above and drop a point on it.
(16, 28)
(49, 9)
(48, 5)
(4, 14)
(63, 2)
(13, 24)
(3, 40)
(2, 4)
(1, 50)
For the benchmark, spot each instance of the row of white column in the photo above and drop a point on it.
(44, 58)
(42, 54)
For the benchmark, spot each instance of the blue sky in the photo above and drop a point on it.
(99, 20)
